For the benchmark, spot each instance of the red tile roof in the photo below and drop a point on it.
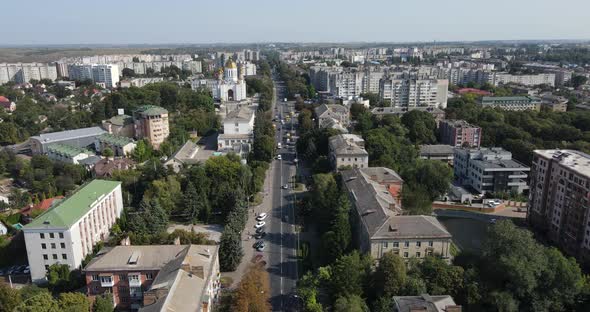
(4, 99)
(43, 205)
(474, 91)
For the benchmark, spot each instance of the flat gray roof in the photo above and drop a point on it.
(48, 138)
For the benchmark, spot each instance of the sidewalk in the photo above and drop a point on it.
(247, 241)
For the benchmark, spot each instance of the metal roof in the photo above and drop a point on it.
(48, 138)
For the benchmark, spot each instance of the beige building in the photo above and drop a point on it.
(348, 150)
(151, 123)
(332, 116)
(379, 226)
(559, 199)
(120, 125)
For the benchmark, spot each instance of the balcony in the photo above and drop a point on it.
(134, 280)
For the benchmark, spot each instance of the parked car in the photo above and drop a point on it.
(261, 246)
(286, 186)
(259, 224)
(260, 230)
(260, 235)
(261, 216)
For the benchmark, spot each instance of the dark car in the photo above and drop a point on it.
(260, 235)
(260, 230)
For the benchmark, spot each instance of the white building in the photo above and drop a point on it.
(25, 72)
(67, 153)
(99, 73)
(67, 232)
(414, 92)
(230, 86)
(238, 128)
(348, 150)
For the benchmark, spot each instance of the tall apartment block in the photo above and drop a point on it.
(25, 72)
(99, 73)
(68, 231)
(559, 199)
(460, 133)
(414, 92)
(151, 123)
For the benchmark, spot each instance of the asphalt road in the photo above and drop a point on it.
(281, 234)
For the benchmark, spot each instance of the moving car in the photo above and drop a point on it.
(285, 187)
(261, 216)
(279, 157)
(260, 224)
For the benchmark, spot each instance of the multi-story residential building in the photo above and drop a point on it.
(437, 113)
(67, 153)
(238, 128)
(120, 145)
(425, 303)
(559, 199)
(554, 103)
(489, 170)
(108, 74)
(379, 228)
(414, 92)
(83, 137)
(332, 116)
(25, 72)
(140, 82)
(346, 84)
(525, 80)
(459, 133)
(68, 231)
(348, 150)
(151, 123)
(512, 103)
(157, 277)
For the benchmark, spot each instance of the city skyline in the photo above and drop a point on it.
(187, 22)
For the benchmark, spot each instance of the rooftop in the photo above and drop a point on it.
(120, 120)
(115, 140)
(412, 227)
(495, 99)
(403, 110)
(150, 110)
(575, 160)
(334, 108)
(71, 209)
(48, 138)
(425, 303)
(351, 144)
(244, 113)
(147, 258)
(67, 150)
(458, 123)
(436, 149)
(187, 152)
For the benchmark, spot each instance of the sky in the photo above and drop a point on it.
(40, 22)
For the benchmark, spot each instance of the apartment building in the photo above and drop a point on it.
(348, 150)
(412, 92)
(182, 278)
(107, 74)
(332, 116)
(346, 84)
(379, 226)
(559, 199)
(459, 133)
(512, 103)
(489, 170)
(68, 231)
(25, 72)
(525, 80)
(151, 123)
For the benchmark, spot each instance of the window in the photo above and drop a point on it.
(42, 235)
(106, 279)
(406, 244)
(429, 253)
(45, 257)
(122, 277)
(123, 289)
(54, 256)
(64, 256)
(43, 246)
(51, 235)
(405, 254)
(430, 243)
(135, 291)
(95, 277)
(62, 245)
(124, 299)
(384, 244)
(395, 244)
(52, 245)
(418, 254)
(46, 267)
(61, 234)
(134, 278)
(149, 276)
(418, 244)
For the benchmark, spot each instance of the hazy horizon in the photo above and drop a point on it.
(185, 22)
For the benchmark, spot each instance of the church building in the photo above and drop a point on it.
(230, 86)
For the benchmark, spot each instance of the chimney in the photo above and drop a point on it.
(392, 228)
(177, 241)
(126, 241)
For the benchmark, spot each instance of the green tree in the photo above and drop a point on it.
(9, 298)
(230, 250)
(421, 126)
(191, 209)
(107, 152)
(143, 151)
(103, 303)
(41, 302)
(434, 176)
(58, 276)
(167, 191)
(578, 81)
(349, 275)
(416, 200)
(352, 303)
(390, 276)
(263, 148)
(73, 302)
(440, 277)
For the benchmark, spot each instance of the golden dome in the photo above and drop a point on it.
(230, 64)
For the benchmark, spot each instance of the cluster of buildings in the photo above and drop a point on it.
(142, 278)
(25, 72)
(375, 194)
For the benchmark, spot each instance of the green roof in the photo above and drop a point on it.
(67, 150)
(115, 140)
(71, 209)
(151, 110)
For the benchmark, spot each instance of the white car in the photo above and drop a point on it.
(261, 216)
(259, 224)
(286, 186)
(279, 157)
